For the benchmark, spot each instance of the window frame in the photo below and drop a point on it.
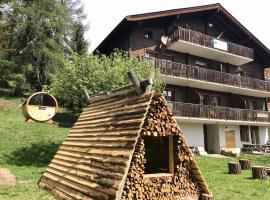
(171, 160)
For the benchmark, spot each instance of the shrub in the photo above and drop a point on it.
(97, 73)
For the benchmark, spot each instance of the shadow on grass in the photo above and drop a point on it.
(37, 154)
(6, 93)
(65, 119)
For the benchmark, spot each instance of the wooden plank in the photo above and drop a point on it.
(113, 119)
(116, 115)
(114, 152)
(127, 133)
(91, 177)
(94, 186)
(105, 129)
(171, 155)
(76, 185)
(68, 191)
(102, 138)
(117, 108)
(96, 164)
(108, 145)
(109, 124)
(89, 169)
(118, 101)
(102, 158)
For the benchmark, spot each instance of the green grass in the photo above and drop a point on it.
(27, 148)
(234, 187)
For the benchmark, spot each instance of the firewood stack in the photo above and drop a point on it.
(184, 182)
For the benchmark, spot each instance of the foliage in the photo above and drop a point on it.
(78, 43)
(41, 32)
(97, 73)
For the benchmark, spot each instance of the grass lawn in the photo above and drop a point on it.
(27, 148)
(234, 187)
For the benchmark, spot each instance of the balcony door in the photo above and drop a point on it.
(255, 137)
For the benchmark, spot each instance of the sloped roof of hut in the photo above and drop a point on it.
(94, 159)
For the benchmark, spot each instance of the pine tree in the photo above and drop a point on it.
(78, 43)
(41, 36)
(6, 65)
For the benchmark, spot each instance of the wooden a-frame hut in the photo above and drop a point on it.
(125, 145)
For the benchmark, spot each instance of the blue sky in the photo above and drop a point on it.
(104, 15)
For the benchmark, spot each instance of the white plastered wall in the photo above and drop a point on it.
(193, 133)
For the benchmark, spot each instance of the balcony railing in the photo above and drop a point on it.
(202, 74)
(210, 42)
(219, 113)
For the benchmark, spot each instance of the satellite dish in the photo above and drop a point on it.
(164, 40)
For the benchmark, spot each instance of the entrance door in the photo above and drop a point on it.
(230, 139)
(255, 138)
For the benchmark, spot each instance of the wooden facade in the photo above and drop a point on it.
(198, 26)
(107, 154)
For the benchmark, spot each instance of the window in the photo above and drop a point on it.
(255, 138)
(159, 155)
(148, 34)
(244, 133)
(169, 94)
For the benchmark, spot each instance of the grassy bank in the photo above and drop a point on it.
(25, 149)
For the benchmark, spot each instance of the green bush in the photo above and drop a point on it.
(97, 73)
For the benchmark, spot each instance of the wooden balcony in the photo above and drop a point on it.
(193, 76)
(219, 114)
(199, 44)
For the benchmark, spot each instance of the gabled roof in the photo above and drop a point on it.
(93, 161)
(205, 8)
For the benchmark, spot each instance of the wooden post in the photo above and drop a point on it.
(259, 172)
(135, 81)
(245, 164)
(151, 78)
(171, 155)
(86, 95)
(234, 168)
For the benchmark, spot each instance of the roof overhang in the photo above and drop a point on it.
(197, 9)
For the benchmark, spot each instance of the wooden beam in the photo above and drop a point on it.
(150, 79)
(171, 155)
(135, 81)
(86, 94)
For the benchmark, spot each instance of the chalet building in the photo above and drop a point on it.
(213, 68)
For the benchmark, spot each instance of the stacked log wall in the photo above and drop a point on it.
(183, 183)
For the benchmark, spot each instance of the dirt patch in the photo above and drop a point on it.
(5, 104)
(6, 178)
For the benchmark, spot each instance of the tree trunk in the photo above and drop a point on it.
(18, 92)
(245, 164)
(234, 168)
(259, 172)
